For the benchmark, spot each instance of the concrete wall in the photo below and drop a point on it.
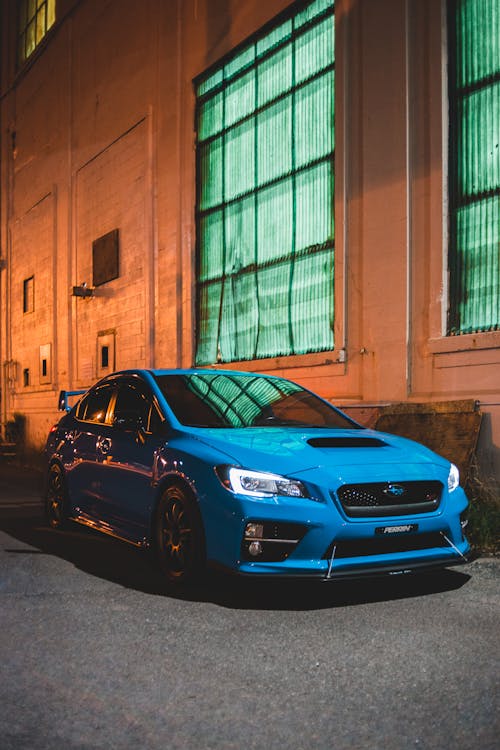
(98, 134)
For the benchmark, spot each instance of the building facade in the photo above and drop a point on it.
(310, 189)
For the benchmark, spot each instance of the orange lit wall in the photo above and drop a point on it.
(98, 134)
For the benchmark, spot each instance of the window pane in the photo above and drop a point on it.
(51, 13)
(479, 168)
(314, 197)
(211, 116)
(240, 235)
(274, 134)
(240, 98)
(40, 25)
(314, 50)
(478, 265)
(275, 221)
(314, 108)
(210, 173)
(478, 40)
(274, 298)
(274, 75)
(274, 37)
(30, 38)
(239, 167)
(209, 308)
(21, 53)
(312, 11)
(94, 407)
(312, 302)
(132, 403)
(242, 60)
(212, 245)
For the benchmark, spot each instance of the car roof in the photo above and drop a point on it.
(192, 371)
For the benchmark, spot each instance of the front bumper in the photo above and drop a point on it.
(368, 566)
(426, 540)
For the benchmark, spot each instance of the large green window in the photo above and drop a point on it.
(265, 230)
(474, 45)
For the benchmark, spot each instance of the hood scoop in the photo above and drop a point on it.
(346, 442)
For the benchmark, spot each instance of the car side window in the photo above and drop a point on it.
(94, 406)
(132, 406)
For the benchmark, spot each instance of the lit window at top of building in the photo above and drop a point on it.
(35, 18)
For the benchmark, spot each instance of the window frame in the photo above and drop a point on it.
(81, 407)
(453, 325)
(29, 294)
(332, 244)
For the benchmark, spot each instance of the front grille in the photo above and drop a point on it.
(384, 545)
(390, 498)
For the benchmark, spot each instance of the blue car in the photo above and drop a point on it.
(250, 473)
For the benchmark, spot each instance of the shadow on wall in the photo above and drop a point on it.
(15, 430)
(17, 448)
(488, 454)
(218, 26)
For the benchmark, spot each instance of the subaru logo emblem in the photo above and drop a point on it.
(394, 490)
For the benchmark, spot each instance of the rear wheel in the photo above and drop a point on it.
(179, 537)
(56, 500)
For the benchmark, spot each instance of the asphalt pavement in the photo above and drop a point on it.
(94, 653)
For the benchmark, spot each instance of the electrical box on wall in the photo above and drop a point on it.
(105, 352)
(45, 364)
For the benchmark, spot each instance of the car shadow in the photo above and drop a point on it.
(119, 563)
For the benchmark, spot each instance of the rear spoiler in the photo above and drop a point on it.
(63, 404)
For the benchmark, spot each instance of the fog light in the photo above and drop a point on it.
(255, 549)
(254, 531)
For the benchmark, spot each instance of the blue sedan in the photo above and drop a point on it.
(250, 473)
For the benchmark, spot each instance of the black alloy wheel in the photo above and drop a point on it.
(179, 537)
(56, 498)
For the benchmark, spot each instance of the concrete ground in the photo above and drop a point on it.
(94, 654)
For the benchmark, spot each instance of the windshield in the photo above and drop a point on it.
(233, 400)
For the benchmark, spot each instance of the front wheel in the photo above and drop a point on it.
(56, 498)
(179, 537)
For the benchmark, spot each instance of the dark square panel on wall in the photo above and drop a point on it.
(105, 252)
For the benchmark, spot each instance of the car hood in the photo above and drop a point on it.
(292, 451)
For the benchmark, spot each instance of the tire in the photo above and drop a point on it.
(179, 537)
(56, 498)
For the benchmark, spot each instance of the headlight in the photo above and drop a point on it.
(259, 483)
(453, 478)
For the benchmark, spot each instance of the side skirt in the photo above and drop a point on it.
(105, 528)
